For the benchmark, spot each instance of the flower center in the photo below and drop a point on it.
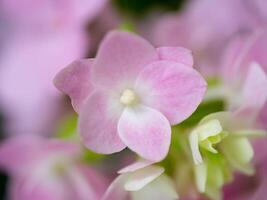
(128, 97)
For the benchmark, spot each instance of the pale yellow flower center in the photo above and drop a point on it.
(128, 97)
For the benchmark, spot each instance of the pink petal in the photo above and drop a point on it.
(98, 124)
(177, 54)
(255, 85)
(145, 131)
(96, 181)
(254, 91)
(245, 49)
(172, 88)
(135, 166)
(81, 185)
(116, 189)
(142, 177)
(74, 80)
(121, 56)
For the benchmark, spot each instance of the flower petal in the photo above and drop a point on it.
(239, 153)
(135, 166)
(121, 56)
(116, 189)
(98, 124)
(145, 131)
(254, 91)
(74, 80)
(140, 178)
(172, 88)
(208, 129)
(193, 141)
(177, 54)
(159, 189)
(201, 173)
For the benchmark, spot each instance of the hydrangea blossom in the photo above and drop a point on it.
(48, 169)
(141, 180)
(131, 94)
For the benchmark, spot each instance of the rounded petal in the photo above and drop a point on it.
(254, 91)
(172, 88)
(74, 80)
(145, 131)
(98, 123)
(159, 189)
(177, 54)
(135, 166)
(140, 178)
(121, 57)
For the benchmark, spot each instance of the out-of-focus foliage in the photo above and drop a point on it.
(140, 8)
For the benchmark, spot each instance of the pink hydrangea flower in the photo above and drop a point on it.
(131, 94)
(138, 180)
(48, 169)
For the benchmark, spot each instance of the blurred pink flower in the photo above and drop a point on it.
(48, 169)
(244, 50)
(245, 64)
(204, 26)
(134, 95)
(42, 36)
